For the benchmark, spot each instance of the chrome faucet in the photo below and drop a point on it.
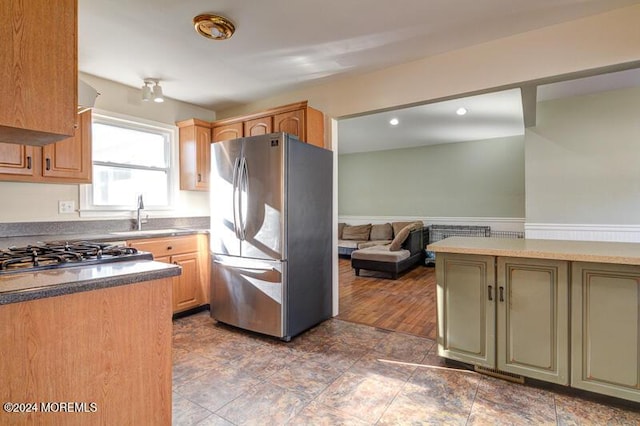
(140, 207)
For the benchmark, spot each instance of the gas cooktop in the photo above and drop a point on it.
(65, 254)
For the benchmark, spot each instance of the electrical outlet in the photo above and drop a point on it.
(66, 206)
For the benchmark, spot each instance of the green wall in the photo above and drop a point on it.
(482, 178)
(583, 160)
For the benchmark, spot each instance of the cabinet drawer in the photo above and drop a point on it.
(167, 246)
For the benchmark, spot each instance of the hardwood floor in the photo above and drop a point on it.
(407, 304)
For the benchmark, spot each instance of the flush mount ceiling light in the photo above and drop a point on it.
(394, 121)
(461, 111)
(152, 93)
(213, 26)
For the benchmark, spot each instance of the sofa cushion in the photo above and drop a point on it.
(398, 226)
(340, 229)
(350, 244)
(358, 232)
(372, 243)
(380, 254)
(402, 235)
(381, 232)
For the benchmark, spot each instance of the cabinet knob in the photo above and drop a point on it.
(48, 163)
(199, 177)
(490, 292)
(175, 263)
(29, 162)
(501, 294)
(169, 247)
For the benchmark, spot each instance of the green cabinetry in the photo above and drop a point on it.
(533, 318)
(506, 313)
(605, 330)
(466, 308)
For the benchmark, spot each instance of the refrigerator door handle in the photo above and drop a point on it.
(251, 268)
(244, 188)
(234, 201)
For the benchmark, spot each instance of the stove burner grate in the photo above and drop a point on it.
(59, 254)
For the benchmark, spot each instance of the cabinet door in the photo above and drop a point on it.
(38, 70)
(466, 308)
(228, 132)
(71, 158)
(605, 329)
(533, 318)
(203, 158)
(17, 159)
(187, 288)
(259, 126)
(195, 152)
(290, 122)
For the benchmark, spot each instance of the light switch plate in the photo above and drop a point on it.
(66, 206)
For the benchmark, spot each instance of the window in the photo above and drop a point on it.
(129, 158)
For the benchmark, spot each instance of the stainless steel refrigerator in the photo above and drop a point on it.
(271, 211)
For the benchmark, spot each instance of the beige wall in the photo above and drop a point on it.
(593, 42)
(582, 160)
(465, 179)
(31, 202)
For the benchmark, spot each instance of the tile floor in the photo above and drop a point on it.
(341, 373)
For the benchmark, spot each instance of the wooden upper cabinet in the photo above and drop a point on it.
(298, 119)
(195, 153)
(17, 159)
(291, 122)
(66, 161)
(227, 132)
(258, 126)
(70, 158)
(38, 71)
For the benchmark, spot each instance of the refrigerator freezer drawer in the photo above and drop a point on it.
(248, 294)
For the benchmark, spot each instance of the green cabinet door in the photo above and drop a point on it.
(605, 329)
(466, 308)
(533, 318)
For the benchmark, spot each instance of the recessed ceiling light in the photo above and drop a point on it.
(394, 121)
(461, 111)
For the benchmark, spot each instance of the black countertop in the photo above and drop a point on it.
(23, 286)
(20, 287)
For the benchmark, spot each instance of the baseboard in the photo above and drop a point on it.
(583, 232)
(496, 223)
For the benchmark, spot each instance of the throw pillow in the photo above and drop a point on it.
(396, 244)
(358, 232)
(381, 232)
(341, 226)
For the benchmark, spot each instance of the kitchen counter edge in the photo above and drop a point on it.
(577, 251)
(58, 282)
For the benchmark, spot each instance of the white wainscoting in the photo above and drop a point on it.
(496, 223)
(559, 231)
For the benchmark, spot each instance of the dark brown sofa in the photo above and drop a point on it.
(395, 257)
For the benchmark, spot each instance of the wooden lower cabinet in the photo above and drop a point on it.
(108, 347)
(513, 317)
(605, 329)
(191, 288)
(533, 318)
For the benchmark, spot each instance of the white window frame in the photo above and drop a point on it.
(88, 209)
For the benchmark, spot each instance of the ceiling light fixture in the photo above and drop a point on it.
(461, 111)
(394, 121)
(213, 26)
(152, 93)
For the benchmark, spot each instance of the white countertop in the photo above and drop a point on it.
(582, 251)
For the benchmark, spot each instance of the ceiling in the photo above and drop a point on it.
(490, 115)
(281, 45)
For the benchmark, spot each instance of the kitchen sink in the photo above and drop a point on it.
(168, 231)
